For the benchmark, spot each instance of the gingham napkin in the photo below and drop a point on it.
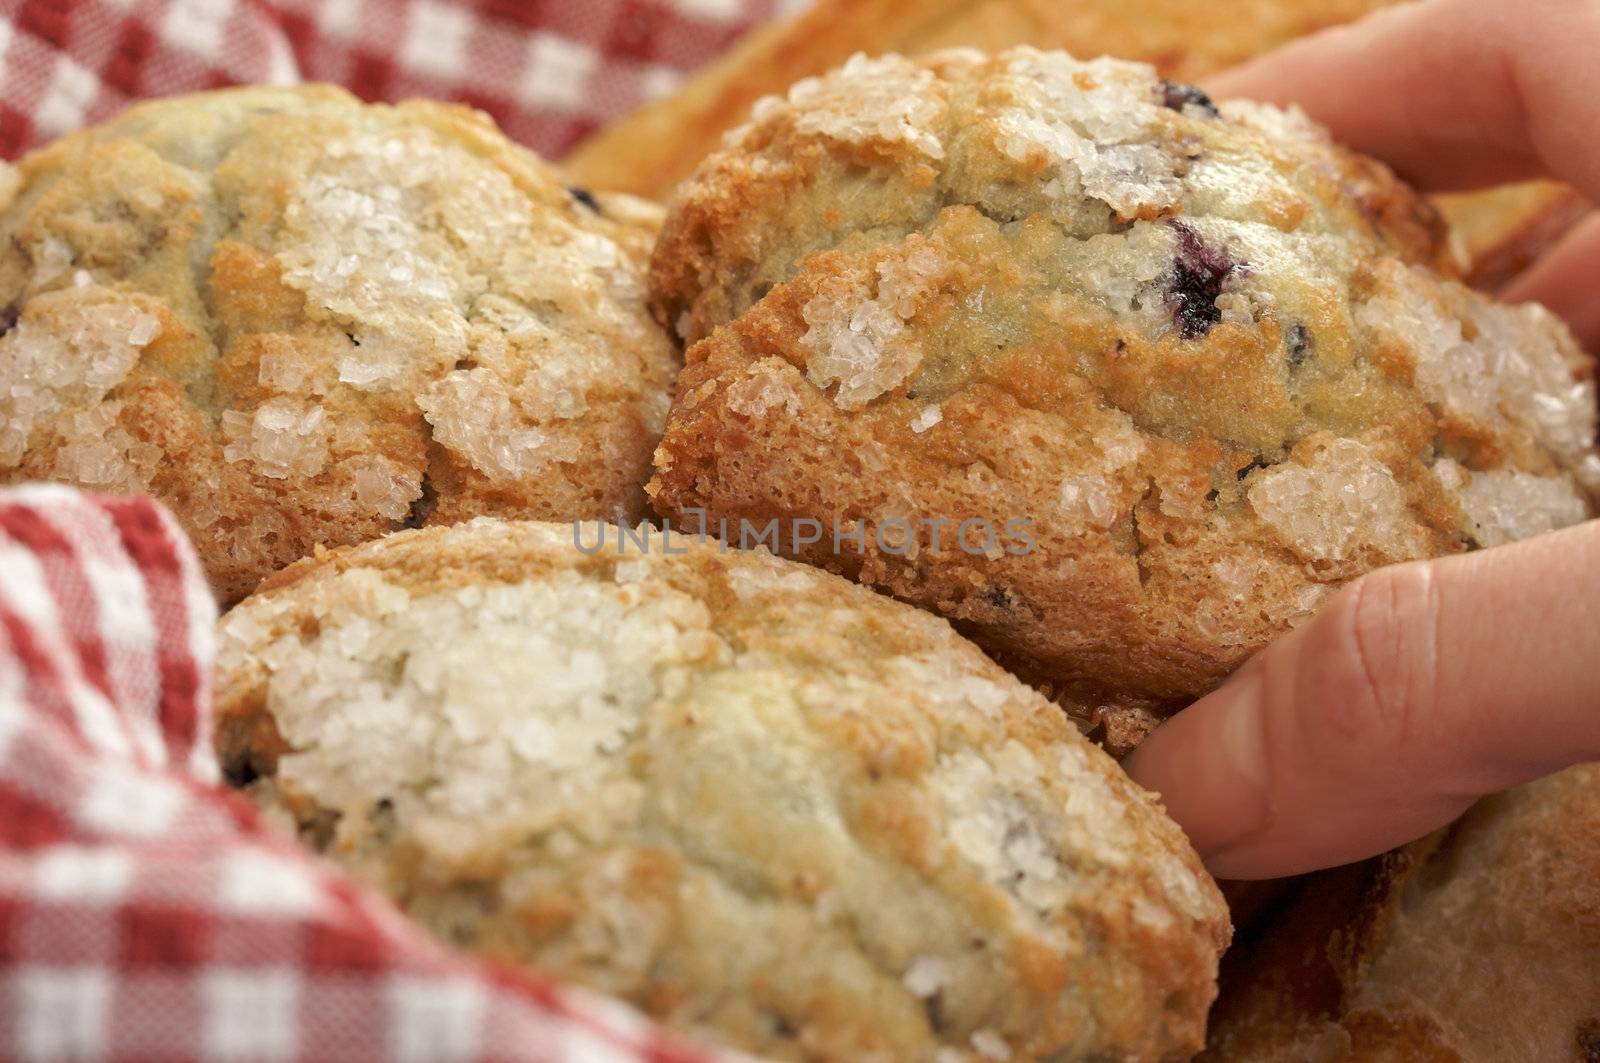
(549, 71)
(146, 914)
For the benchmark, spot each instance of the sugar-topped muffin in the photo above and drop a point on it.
(1213, 362)
(297, 319)
(762, 803)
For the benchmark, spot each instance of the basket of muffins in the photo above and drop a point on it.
(739, 606)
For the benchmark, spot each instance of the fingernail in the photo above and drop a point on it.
(1241, 772)
(1209, 766)
(1243, 738)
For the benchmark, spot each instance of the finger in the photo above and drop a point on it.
(1451, 93)
(1415, 691)
(1564, 280)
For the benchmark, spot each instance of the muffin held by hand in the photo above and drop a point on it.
(1210, 359)
(297, 319)
(763, 804)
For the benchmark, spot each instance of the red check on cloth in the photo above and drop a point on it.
(145, 913)
(148, 914)
(548, 71)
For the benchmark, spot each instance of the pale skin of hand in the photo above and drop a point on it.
(1420, 688)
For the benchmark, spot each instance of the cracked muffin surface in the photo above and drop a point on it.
(1215, 361)
(762, 803)
(297, 319)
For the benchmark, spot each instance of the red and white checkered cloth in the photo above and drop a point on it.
(549, 71)
(146, 914)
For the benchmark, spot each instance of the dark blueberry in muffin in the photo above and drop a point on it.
(586, 197)
(1196, 279)
(1176, 95)
(1299, 342)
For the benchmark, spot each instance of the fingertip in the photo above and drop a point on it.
(1563, 282)
(1453, 94)
(1280, 75)
(1208, 766)
(1275, 76)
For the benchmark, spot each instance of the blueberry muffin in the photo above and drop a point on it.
(296, 319)
(766, 805)
(1206, 365)
(1481, 942)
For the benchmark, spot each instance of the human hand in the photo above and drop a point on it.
(1417, 689)
(1458, 94)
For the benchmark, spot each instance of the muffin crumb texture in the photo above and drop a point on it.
(765, 805)
(1217, 363)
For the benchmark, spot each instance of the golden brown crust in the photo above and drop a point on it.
(649, 152)
(759, 802)
(297, 319)
(1203, 355)
(1479, 943)
(653, 149)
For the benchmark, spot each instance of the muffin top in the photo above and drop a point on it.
(764, 804)
(1215, 360)
(298, 319)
